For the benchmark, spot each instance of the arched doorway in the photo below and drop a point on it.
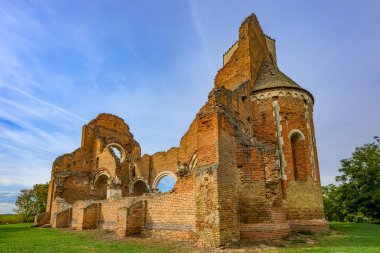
(100, 186)
(138, 187)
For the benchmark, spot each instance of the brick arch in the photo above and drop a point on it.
(118, 147)
(193, 161)
(100, 174)
(133, 182)
(298, 154)
(100, 185)
(296, 131)
(161, 175)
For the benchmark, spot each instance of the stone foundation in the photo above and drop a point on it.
(264, 231)
(313, 226)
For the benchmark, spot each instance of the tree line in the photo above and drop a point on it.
(356, 197)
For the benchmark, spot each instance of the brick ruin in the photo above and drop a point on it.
(247, 167)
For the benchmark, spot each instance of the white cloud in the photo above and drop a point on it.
(6, 181)
(50, 104)
(45, 103)
(7, 208)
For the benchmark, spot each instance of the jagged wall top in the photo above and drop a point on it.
(109, 121)
(245, 62)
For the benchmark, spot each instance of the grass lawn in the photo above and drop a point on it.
(22, 238)
(344, 237)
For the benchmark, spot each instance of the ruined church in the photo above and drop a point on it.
(246, 169)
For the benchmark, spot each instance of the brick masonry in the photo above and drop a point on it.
(246, 169)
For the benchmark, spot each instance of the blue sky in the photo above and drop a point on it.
(153, 64)
(166, 184)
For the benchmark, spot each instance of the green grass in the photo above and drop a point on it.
(12, 219)
(344, 237)
(22, 238)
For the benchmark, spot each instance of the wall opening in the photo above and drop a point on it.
(117, 150)
(100, 187)
(139, 188)
(298, 156)
(166, 183)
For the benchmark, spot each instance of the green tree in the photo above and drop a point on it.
(32, 201)
(41, 194)
(360, 183)
(357, 197)
(332, 201)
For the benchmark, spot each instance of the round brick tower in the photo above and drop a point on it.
(283, 115)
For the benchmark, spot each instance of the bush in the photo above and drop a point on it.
(13, 219)
(358, 218)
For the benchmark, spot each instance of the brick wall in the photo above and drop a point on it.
(77, 214)
(245, 62)
(62, 219)
(227, 183)
(109, 212)
(76, 188)
(164, 161)
(240, 176)
(172, 213)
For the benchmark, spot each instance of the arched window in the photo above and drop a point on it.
(299, 166)
(117, 150)
(165, 181)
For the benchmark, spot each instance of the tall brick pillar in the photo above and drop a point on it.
(206, 193)
(217, 217)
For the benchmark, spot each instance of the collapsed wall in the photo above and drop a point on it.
(247, 168)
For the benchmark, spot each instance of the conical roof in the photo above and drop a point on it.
(270, 77)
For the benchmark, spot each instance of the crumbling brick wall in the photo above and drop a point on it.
(172, 214)
(247, 168)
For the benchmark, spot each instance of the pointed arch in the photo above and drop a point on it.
(116, 146)
(162, 175)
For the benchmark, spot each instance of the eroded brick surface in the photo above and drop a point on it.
(247, 168)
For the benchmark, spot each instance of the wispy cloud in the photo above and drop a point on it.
(35, 127)
(195, 9)
(61, 66)
(7, 208)
(43, 103)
